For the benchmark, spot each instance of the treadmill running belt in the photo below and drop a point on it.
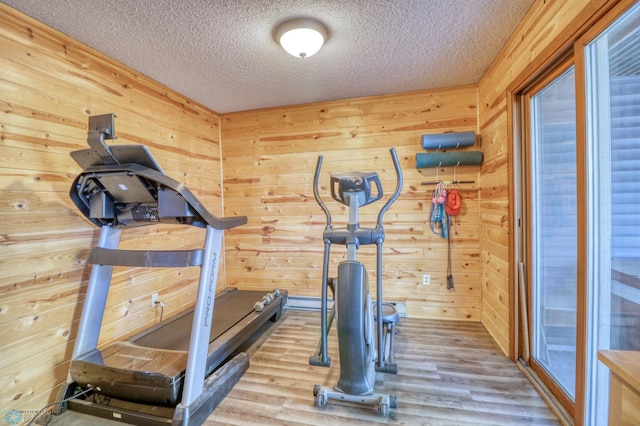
(228, 309)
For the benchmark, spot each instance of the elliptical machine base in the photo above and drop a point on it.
(383, 401)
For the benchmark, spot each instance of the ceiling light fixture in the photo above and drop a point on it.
(301, 37)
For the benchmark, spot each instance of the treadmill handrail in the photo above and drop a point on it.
(146, 258)
(162, 179)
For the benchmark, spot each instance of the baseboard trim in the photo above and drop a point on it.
(302, 303)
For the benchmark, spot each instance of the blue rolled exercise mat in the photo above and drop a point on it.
(448, 140)
(448, 159)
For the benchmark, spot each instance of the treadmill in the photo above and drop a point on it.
(179, 370)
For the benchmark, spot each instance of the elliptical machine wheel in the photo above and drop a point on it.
(384, 409)
(321, 400)
(321, 396)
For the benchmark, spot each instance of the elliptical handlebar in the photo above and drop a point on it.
(383, 210)
(396, 193)
(316, 194)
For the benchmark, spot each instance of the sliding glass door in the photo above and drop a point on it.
(552, 248)
(580, 189)
(612, 64)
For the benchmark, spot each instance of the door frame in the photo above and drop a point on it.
(587, 25)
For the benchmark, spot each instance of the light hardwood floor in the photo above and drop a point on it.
(449, 373)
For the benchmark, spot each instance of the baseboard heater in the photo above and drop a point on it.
(306, 303)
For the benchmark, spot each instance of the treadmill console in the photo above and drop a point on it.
(124, 186)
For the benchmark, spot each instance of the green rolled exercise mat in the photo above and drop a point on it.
(448, 140)
(448, 159)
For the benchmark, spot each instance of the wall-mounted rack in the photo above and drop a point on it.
(451, 158)
(447, 182)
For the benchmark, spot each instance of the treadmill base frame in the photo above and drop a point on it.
(216, 388)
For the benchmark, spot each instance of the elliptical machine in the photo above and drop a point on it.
(360, 356)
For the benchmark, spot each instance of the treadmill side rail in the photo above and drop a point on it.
(216, 388)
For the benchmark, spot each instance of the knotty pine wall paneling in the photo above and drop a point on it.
(546, 32)
(269, 159)
(49, 86)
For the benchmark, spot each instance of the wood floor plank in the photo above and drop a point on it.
(449, 373)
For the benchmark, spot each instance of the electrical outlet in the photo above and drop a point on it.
(426, 279)
(154, 300)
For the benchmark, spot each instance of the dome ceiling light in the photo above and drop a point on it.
(301, 37)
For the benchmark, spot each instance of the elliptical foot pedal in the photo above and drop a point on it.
(390, 317)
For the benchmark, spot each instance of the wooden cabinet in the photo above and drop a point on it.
(624, 392)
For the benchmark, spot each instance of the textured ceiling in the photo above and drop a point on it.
(221, 53)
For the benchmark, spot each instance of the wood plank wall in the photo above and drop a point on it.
(269, 158)
(49, 86)
(546, 31)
